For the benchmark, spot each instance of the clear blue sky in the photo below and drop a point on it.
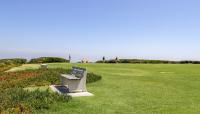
(150, 29)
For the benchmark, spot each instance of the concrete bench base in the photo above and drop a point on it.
(81, 94)
(64, 90)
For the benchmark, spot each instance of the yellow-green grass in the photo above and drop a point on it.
(136, 89)
(24, 67)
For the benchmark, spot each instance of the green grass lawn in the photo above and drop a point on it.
(136, 89)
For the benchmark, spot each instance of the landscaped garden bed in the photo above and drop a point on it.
(15, 97)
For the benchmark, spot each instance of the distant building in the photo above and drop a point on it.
(84, 60)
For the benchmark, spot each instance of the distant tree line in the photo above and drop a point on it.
(143, 61)
(18, 61)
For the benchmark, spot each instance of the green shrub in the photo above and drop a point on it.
(6, 64)
(99, 61)
(91, 77)
(107, 61)
(196, 62)
(12, 61)
(47, 77)
(18, 100)
(48, 60)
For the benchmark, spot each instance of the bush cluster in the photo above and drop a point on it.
(48, 60)
(18, 100)
(91, 77)
(107, 61)
(13, 61)
(6, 64)
(142, 61)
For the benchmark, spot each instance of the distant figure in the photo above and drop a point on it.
(116, 59)
(69, 58)
(104, 59)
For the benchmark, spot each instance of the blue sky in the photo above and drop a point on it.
(150, 29)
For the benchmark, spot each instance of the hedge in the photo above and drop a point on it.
(48, 60)
(142, 61)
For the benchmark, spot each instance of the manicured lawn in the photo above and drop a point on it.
(136, 89)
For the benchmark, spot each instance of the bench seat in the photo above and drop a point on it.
(70, 77)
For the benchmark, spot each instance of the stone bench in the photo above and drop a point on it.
(75, 81)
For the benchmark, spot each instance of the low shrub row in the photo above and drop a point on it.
(142, 61)
(48, 60)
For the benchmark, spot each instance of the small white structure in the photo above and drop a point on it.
(44, 66)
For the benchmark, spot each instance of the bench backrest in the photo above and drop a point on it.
(78, 72)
